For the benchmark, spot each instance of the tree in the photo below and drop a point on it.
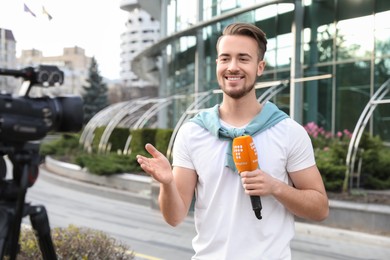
(95, 96)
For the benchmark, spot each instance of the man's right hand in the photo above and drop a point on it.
(158, 166)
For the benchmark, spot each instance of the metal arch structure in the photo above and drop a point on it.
(152, 111)
(375, 100)
(145, 117)
(191, 110)
(274, 89)
(129, 121)
(100, 119)
(128, 111)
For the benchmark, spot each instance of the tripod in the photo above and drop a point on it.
(25, 159)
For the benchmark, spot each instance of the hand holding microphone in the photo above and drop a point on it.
(245, 158)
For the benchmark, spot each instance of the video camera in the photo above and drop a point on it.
(24, 120)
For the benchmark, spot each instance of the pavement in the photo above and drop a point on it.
(144, 199)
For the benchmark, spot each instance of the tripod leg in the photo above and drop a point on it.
(40, 224)
(19, 209)
(4, 222)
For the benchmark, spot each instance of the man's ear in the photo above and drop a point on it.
(260, 67)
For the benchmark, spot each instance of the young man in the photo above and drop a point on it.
(287, 180)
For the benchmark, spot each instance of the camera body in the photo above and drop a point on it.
(23, 118)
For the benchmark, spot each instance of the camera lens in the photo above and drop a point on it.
(70, 113)
(55, 78)
(43, 76)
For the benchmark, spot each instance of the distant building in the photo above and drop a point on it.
(73, 62)
(142, 31)
(7, 59)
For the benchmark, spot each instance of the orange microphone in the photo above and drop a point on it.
(245, 158)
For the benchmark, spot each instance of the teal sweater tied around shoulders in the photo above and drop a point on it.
(209, 119)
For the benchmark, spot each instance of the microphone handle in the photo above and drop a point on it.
(256, 206)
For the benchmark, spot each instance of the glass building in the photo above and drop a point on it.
(326, 59)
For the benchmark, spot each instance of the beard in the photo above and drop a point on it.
(238, 93)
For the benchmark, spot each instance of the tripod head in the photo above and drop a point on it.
(18, 154)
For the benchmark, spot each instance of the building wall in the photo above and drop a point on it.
(142, 31)
(346, 39)
(8, 60)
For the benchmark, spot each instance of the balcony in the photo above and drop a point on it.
(153, 7)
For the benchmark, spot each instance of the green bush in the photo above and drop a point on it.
(332, 171)
(75, 243)
(118, 139)
(63, 148)
(108, 164)
(140, 137)
(376, 165)
(113, 163)
(96, 139)
(163, 136)
(331, 153)
(67, 148)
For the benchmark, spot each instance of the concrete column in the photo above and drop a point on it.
(199, 54)
(312, 86)
(296, 92)
(162, 88)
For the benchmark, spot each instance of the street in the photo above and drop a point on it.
(151, 238)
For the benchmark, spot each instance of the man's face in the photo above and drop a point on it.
(238, 65)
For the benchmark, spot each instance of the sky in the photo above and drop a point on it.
(94, 25)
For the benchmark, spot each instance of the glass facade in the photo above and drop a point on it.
(346, 39)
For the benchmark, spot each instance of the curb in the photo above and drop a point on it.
(342, 234)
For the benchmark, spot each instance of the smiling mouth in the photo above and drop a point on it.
(233, 78)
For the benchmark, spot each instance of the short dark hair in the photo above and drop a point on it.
(250, 30)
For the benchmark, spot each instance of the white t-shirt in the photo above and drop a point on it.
(226, 225)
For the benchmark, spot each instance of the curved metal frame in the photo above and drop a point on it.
(190, 111)
(87, 135)
(273, 91)
(127, 110)
(376, 99)
(142, 120)
(152, 111)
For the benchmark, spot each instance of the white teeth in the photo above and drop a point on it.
(230, 78)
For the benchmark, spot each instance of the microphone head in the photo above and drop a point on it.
(244, 153)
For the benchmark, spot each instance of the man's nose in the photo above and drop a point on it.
(233, 65)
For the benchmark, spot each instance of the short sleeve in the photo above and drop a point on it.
(180, 153)
(301, 153)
